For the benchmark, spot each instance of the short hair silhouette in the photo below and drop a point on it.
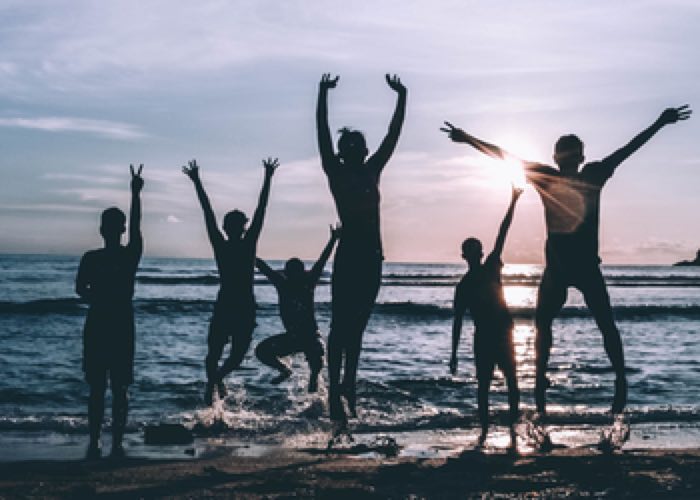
(569, 143)
(351, 143)
(112, 220)
(235, 218)
(294, 268)
(472, 246)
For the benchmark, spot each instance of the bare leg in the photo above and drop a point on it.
(96, 413)
(120, 407)
(270, 350)
(352, 359)
(597, 299)
(335, 360)
(551, 297)
(216, 342)
(314, 356)
(239, 348)
(484, 385)
(513, 404)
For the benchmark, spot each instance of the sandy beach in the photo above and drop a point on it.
(572, 472)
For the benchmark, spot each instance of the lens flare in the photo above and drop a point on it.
(515, 170)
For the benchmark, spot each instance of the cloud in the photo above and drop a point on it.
(102, 128)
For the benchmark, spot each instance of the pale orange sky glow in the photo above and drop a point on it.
(86, 90)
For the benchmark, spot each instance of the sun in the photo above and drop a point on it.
(511, 169)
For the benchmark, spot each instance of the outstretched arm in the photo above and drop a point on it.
(267, 271)
(317, 269)
(253, 232)
(459, 135)
(533, 170)
(386, 148)
(135, 238)
(460, 307)
(215, 236)
(325, 144)
(670, 115)
(505, 225)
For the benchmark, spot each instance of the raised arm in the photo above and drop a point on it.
(253, 232)
(325, 144)
(215, 236)
(267, 271)
(670, 115)
(135, 238)
(505, 225)
(381, 157)
(317, 269)
(460, 307)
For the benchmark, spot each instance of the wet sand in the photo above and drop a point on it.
(573, 472)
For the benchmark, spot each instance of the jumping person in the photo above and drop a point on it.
(571, 200)
(295, 289)
(106, 281)
(354, 182)
(233, 320)
(481, 291)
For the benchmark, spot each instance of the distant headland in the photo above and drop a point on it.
(695, 262)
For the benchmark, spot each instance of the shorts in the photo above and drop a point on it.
(493, 349)
(355, 284)
(231, 325)
(108, 347)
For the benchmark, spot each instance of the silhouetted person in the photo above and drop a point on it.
(481, 291)
(233, 320)
(106, 281)
(357, 268)
(295, 289)
(571, 200)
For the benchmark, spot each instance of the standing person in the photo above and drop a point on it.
(481, 291)
(571, 200)
(233, 320)
(106, 281)
(295, 289)
(354, 182)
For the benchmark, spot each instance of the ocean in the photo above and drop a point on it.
(404, 381)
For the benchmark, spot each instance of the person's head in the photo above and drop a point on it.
(352, 148)
(294, 269)
(568, 153)
(234, 224)
(112, 224)
(472, 251)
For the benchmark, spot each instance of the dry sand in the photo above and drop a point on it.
(282, 473)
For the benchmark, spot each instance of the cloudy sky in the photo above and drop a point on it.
(88, 87)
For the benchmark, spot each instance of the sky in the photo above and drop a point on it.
(86, 88)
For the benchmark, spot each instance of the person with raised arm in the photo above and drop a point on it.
(353, 178)
(233, 320)
(571, 199)
(295, 289)
(105, 280)
(481, 291)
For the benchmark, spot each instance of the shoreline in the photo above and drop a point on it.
(572, 472)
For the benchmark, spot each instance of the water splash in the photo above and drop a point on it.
(614, 437)
(536, 433)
